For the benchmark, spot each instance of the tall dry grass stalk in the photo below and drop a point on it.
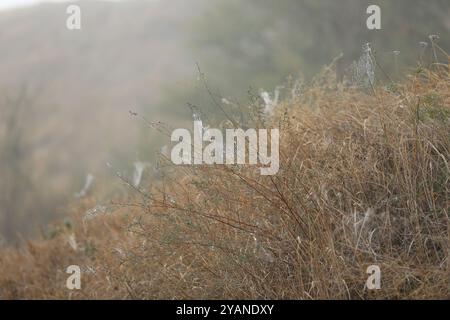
(364, 180)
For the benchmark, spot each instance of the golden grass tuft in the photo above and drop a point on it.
(364, 180)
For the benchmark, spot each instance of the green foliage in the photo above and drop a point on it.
(259, 43)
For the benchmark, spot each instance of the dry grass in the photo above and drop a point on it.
(364, 180)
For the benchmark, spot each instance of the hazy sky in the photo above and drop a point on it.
(7, 4)
(11, 4)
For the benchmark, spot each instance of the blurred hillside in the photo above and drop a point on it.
(260, 42)
(65, 95)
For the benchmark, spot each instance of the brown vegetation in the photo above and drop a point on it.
(364, 179)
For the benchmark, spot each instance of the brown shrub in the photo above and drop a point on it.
(364, 179)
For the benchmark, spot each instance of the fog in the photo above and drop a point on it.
(66, 95)
(11, 4)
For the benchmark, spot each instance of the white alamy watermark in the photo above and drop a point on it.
(73, 22)
(231, 149)
(373, 22)
(374, 280)
(73, 282)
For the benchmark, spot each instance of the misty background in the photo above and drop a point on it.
(66, 95)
